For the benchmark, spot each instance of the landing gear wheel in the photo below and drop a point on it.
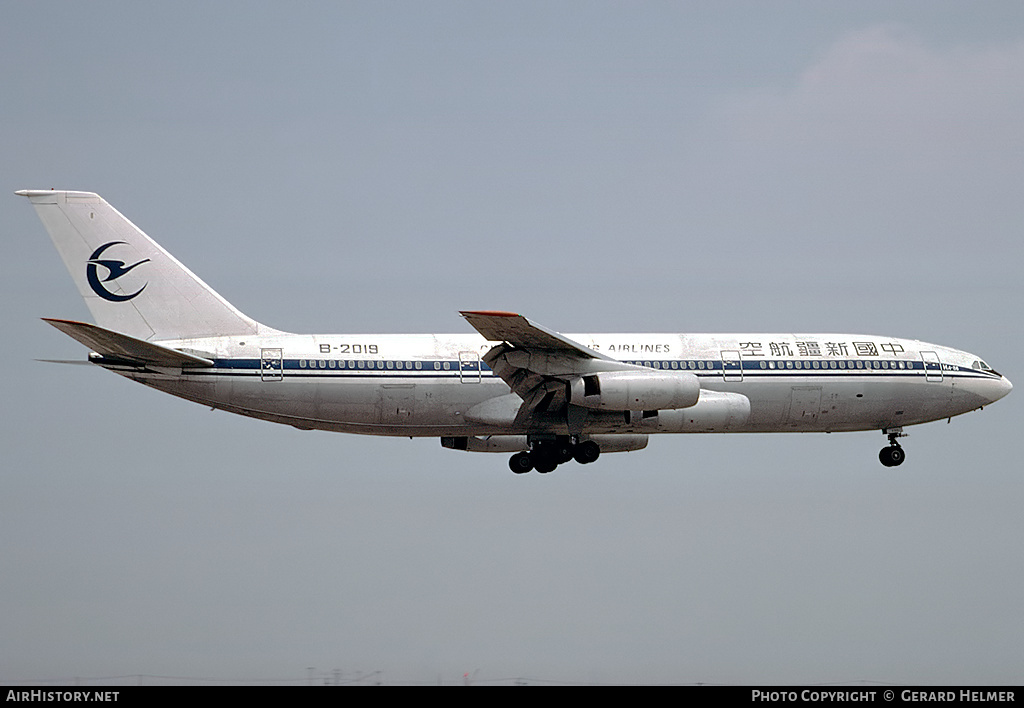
(564, 452)
(545, 465)
(892, 456)
(520, 463)
(586, 452)
(546, 456)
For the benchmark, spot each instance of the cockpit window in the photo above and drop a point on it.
(982, 366)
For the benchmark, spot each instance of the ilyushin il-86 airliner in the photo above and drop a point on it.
(514, 386)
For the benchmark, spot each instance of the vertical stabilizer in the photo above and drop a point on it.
(129, 282)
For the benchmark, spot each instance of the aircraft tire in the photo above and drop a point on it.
(520, 463)
(545, 466)
(564, 452)
(586, 452)
(547, 456)
(892, 456)
(544, 458)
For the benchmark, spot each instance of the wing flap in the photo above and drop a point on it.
(121, 346)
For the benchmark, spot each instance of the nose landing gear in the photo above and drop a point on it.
(893, 455)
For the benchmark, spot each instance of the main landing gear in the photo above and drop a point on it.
(893, 455)
(545, 455)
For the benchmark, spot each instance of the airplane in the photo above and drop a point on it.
(514, 386)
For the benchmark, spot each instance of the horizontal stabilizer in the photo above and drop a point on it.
(121, 346)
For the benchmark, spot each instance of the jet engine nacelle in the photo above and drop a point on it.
(717, 411)
(635, 390)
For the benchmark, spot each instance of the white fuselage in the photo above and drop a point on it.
(423, 385)
(513, 386)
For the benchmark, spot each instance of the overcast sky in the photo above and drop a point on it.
(375, 167)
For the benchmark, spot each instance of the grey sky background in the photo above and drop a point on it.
(375, 167)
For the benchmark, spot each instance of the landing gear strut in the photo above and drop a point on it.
(893, 455)
(545, 455)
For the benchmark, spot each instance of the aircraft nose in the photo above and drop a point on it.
(994, 389)
(1004, 388)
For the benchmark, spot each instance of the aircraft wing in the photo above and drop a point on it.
(120, 346)
(519, 332)
(538, 364)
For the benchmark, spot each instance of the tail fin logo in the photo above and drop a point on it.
(115, 269)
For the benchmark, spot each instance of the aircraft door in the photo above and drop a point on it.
(732, 365)
(397, 403)
(271, 364)
(469, 367)
(804, 405)
(932, 366)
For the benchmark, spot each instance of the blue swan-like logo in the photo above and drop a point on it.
(115, 270)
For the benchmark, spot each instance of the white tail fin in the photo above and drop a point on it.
(129, 282)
